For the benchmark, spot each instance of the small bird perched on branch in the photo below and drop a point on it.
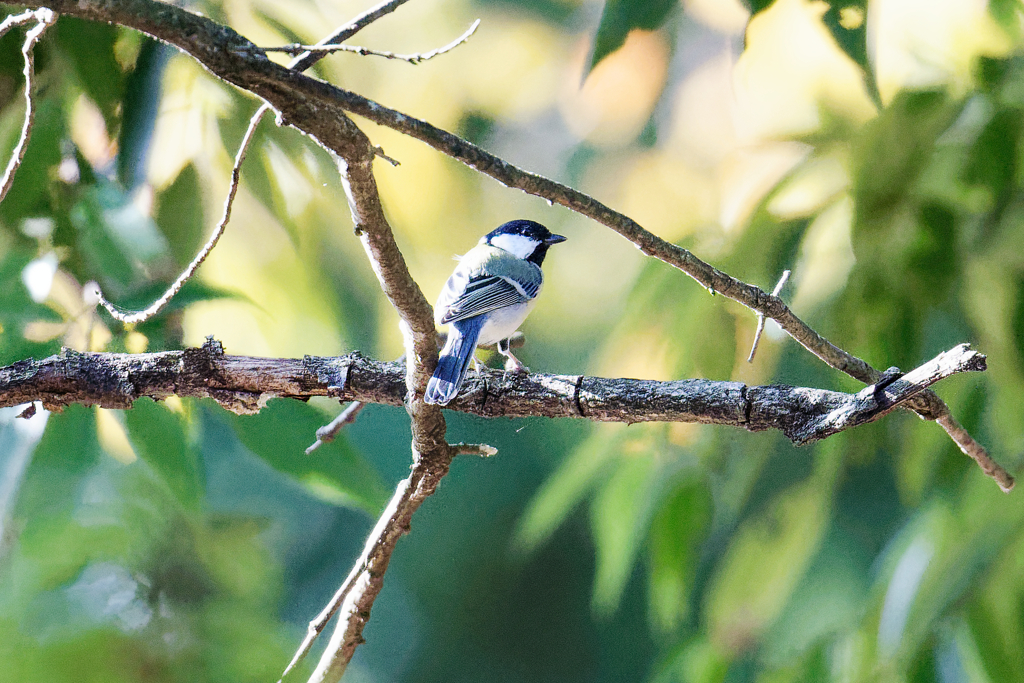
(486, 299)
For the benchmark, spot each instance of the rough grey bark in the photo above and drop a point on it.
(243, 384)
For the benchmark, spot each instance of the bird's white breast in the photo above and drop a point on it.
(503, 322)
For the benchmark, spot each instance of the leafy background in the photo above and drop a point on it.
(878, 154)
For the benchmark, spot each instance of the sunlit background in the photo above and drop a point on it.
(876, 149)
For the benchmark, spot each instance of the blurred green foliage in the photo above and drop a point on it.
(175, 542)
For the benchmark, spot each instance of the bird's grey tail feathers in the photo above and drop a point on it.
(454, 361)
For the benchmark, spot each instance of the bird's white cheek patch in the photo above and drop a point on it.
(520, 245)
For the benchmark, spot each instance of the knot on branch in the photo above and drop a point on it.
(198, 365)
(109, 384)
(200, 369)
(332, 372)
(814, 419)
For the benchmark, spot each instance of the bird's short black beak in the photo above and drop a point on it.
(554, 239)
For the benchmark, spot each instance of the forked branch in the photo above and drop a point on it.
(416, 58)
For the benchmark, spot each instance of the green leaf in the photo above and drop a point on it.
(677, 531)
(1007, 15)
(564, 489)
(89, 46)
(622, 16)
(827, 600)
(713, 334)
(17, 310)
(58, 535)
(159, 437)
(756, 6)
(30, 193)
(335, 472)
(698, 661)
(67, 450)
(894, 151)
(119, 243)
(180, 216)
(620, 515)
(993, 159)
(143, 88)
(932, 259)
(769, 554)
(1017, 320)
(847, 21)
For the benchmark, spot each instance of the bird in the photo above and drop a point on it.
(486, 299)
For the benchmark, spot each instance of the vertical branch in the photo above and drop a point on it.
(431, 453)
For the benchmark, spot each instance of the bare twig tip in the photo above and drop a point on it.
(379, 151)
(416, 58)
(329, 432)
(481, 449)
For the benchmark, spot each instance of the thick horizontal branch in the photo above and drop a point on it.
(243, 384)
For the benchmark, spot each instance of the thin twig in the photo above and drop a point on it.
(414, 58)
(13, 20)
(131, 317)
(379, 151)
(345, 32)
(357, 594)
(761, 319)
(480, 449)
(44, 18)
(972, 449)
(300, 63)
(369, 569)
(329, 432)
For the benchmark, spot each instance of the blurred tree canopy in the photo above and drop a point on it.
(877, 150)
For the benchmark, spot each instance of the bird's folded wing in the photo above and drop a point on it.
(488, 293)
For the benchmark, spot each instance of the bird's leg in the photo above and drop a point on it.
(512, 364)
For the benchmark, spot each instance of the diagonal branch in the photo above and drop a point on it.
(356, 595)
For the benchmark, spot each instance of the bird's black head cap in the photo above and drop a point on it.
(532, 230)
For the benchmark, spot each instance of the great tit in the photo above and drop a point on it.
(486, 299)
